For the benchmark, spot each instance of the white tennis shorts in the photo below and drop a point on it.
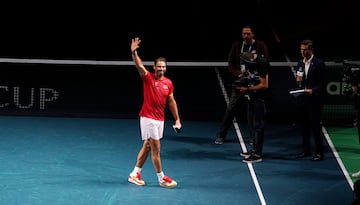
(151, 128)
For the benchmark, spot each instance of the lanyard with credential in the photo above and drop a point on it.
(242, 47)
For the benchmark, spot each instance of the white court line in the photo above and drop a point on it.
(338, 159)
(241, 141)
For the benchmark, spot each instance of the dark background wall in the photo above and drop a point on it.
(181, 31)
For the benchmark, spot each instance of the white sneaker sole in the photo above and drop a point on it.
(251, 161)
(169, 185)
(131, 180)
(357, 174)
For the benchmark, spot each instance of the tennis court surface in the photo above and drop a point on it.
(78, 161)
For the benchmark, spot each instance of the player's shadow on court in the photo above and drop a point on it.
(191, 154)
(197, 140)
(202, 148)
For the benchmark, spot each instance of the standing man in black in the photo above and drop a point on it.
(356, 98)
(237, 69)
(354, 82)
(311, 74)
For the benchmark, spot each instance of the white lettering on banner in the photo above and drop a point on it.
(335, 88)
(43, 98)
(17, 98)
(45, 95)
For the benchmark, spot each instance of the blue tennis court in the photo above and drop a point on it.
(47, 160)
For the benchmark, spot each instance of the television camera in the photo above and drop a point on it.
(351, 80)
(246, 78)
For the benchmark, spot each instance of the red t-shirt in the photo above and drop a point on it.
(155, 96)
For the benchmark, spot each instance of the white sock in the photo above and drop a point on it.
(135, 170)
(160, 176)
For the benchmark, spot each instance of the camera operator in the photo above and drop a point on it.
(249, 62)
(237, 69)
(257, 95)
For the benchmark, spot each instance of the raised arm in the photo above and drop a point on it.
(138, 62)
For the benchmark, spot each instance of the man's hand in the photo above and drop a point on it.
(177, 128)
(243, 89)
(309, 91)
(135, 44)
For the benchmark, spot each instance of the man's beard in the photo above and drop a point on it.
(160, 73)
